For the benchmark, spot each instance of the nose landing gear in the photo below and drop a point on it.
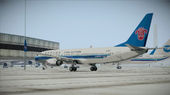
(73, 67)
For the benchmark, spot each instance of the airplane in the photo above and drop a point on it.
(131, 48)
(157, 54)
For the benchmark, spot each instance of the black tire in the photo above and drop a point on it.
(73, 69)
(119, 67)
(93, 68)
(43, 68)
(59, 62)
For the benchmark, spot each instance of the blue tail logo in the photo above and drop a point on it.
(139, 37)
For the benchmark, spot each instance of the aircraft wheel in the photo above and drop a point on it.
(119, 67)
(43, 68)
(73, 69)
(93, 68)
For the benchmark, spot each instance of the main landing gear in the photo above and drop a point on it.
(73, 67)
(93, 67)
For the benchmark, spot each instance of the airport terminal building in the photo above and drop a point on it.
(12, 46)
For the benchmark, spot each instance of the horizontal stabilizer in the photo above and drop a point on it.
(133, 48)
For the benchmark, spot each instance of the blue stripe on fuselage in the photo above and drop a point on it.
(149, 59)
(37, 58)
(86, 56)
(42, 58)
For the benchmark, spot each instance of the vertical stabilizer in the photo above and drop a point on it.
(139, 37)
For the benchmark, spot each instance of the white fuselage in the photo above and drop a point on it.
(95, 55)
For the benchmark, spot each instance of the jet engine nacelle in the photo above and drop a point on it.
(59, 62)
(7, 64)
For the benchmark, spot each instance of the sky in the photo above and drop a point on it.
(82, 23)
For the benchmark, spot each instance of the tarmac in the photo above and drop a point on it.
(132, 79)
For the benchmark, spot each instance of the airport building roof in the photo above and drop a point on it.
(13, 46)
(16, 42)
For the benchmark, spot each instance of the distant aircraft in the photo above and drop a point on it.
(157, 54)
(11, 63)
(133, 47)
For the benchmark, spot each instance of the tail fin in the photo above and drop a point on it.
(140, 34)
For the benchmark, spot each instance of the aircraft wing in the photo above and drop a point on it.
(65, 59)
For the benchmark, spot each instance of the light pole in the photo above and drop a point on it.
(25, 42)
